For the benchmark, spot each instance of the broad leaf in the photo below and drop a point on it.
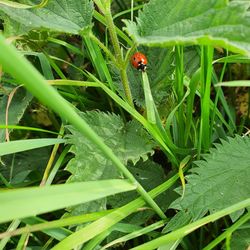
(210, 22)
(17, 107)
(241, 239)
(218, 181)
(130, 142)
(22, 169)
(68, 16)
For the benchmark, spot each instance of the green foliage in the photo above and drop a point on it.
(63, 16)
(112, 132)
(36, 200)
(241, 239)
(23, 169)
(214, 22)
(129, 141)
(218, 181)
(17, 107)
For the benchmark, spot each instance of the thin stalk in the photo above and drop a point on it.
(179, 89)
(37, 85)
(13, 225)
(182, 232)
(206, 76)
(118, 54)
(229, 231)
(103, 47)
(52, 158)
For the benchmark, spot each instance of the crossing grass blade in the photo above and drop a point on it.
(36, 200)
(22, 145)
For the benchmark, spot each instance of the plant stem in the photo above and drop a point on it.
(118, 54)
(103, 47)
(229, 231)
(182, 232)
(179, 89)
(206, 75)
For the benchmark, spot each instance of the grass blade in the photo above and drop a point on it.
(22, 145)
(180, 233)
(36, 200)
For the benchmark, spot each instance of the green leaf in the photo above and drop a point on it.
(130, 142)
(14, 166)
(18, 105)
(241, 239)
(22, 145)
(37, 200)
(149, 174)
(67, 16)
(214, 22)
(218, 181)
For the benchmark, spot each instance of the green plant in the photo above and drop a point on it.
(122, 130)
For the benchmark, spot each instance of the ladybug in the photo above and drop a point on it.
(139, 61)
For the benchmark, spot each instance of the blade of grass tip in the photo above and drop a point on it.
(228, 231)
(149, 101)
(104, 223)
(182, 232)
(37, 85)
(136, 234)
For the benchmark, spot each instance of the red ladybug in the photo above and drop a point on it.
(139, 61)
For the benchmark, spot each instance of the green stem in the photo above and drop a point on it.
(182, 232)
(229, 231)
(179, 89)
(118, 53)
(103, 47)
(206, 76)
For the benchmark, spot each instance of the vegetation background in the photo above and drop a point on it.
(98, 155)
